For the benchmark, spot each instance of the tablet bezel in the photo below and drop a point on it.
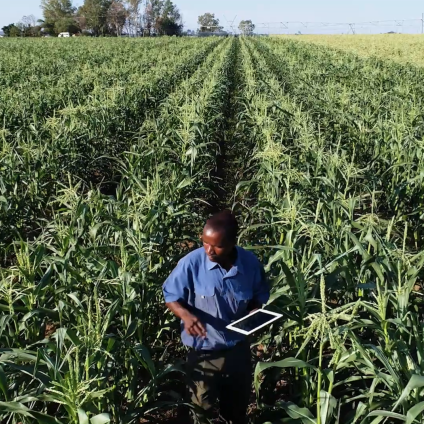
(248, 333)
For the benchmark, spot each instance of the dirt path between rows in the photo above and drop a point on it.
(227, 174)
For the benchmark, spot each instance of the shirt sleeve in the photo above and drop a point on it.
(261, 287)
(177, 285)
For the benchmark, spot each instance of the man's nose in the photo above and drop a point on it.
(209, 250)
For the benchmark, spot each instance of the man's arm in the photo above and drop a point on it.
(260, 291)
(175, 291)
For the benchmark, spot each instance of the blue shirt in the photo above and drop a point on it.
(215, 296)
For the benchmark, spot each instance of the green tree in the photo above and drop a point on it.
(247, 27)
(54, 9)
(66, 25)
(208, 23)
(59, 16)
(95, 14)
(15, 31)
(170, 10)
(7, 29)
(162, 17)
(169, 22)
(168, 26)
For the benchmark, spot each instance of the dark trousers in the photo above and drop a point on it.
(221, 375)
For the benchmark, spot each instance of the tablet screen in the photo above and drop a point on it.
(251, 322)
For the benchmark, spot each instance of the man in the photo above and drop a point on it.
(210, 288)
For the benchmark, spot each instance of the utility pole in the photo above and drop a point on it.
(231, 24)
(422, 23)
(284, 26)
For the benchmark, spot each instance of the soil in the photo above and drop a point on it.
(50, 330)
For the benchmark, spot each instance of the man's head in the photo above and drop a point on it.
(220, 236)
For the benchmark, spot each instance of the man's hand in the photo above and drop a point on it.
(253, 306)
(193, 326)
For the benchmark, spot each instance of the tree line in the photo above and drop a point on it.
(101, 18)
(209, 23)
(114, 18)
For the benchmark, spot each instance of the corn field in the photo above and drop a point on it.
(114, 152)
(402, 48)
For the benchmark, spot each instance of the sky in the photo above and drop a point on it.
(310, 12)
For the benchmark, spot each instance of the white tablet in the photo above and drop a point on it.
(253, 322)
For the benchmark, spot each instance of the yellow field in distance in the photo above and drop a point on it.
(403, 48)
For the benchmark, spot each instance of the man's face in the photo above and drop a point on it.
(217, 248)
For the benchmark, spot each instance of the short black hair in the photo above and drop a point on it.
(225, 221)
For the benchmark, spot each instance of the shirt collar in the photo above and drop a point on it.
(209, 264)
(238, 264)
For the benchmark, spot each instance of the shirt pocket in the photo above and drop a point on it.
(205, 299)
(242, 297)
(243, 292)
